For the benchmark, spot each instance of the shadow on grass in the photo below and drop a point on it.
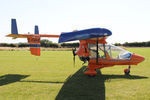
(11, 78)
(42, 82)
(82, 87)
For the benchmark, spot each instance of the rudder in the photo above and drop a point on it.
(14, 29)
(34, 44)
(36, 30)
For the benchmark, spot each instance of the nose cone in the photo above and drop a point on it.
(137, 58)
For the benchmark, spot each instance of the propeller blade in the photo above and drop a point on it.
(74, 61)
(73, 51)
(74, 54)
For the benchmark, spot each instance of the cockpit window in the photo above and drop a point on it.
(117, 52)
(113, 51)
(93, 51)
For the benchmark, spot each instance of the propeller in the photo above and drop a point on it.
(74, 54)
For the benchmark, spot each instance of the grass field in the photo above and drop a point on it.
(53, 77)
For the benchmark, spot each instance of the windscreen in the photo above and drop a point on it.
(113, 51)
(117, 52)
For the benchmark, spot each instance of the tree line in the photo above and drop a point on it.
(47, 43)
(44, 43)
(134, 44)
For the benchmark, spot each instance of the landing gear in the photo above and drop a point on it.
(91, 75)
(91, 70)
(127, 70)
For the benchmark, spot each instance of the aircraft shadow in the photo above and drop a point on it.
(77, 86)
(11, 78)
(82, 87)
(42, 82)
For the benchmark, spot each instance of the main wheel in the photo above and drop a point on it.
(91, 75)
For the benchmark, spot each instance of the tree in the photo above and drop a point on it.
(47, 43)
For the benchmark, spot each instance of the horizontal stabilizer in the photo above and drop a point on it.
(14, 29)
(84, 34)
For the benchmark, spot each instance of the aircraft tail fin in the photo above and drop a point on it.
(14, 29)
(36, 30)
(35, 50)
(34, 44)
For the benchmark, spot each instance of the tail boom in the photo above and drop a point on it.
(53, 36)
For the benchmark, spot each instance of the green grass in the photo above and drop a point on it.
(53, 77)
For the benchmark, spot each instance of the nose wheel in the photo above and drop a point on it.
(127, 70)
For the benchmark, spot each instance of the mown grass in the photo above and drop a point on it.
(53, 77)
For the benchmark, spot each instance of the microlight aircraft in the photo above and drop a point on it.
(93, 47)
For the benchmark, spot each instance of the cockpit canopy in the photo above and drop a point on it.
(113, 51)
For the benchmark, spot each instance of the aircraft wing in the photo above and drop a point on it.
(84, 34)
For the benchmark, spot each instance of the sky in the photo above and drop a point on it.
(128, 20)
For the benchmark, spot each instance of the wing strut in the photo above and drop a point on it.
(97, 51)
(104, 49)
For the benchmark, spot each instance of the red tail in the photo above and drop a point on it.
(34, 44)
(35, 51)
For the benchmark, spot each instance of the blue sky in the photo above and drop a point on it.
(129, 20)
